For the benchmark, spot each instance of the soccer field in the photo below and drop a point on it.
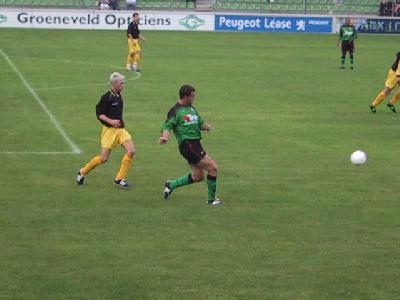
(299, 220)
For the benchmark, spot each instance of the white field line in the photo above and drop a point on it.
(52, 88)
(138, 75)
(74, 147)
(67, 61)
(38, 152)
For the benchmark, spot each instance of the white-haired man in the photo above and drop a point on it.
(113, 133)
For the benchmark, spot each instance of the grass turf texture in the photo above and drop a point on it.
(300, 222)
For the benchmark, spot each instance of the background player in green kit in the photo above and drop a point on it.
(187, 124)
(347, 35)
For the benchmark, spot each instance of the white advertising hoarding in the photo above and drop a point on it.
(92, 19)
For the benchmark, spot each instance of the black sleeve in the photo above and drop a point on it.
(130, 29)
(171, 114)
(101, 106)
(172, 111)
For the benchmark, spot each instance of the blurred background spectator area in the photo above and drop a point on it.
(365, 7)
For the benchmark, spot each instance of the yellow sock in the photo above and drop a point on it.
(395, 98)
(125, 165)
(378, 99)
(96, 161)
(136, 58)
(129, 59)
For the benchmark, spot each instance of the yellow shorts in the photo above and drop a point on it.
(391, 79)
(134, 45)
(112, 137)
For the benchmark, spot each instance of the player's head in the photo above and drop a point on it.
(117, 82)
(187, 93)
(347, 21)
(135, 17)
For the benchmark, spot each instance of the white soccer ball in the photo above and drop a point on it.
(271, 1)
(358, 157)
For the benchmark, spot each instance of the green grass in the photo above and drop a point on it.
(300, 222)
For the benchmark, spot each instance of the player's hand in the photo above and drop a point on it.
(115, 123)
(162, 140)
(206, 127)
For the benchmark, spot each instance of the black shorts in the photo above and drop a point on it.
(192, 151)
(347, 47)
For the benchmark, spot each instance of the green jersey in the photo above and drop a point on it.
(185, 122)
(348, 33)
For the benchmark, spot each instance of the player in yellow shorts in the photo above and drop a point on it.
(393, 79)
(135, 52)
(109, 112)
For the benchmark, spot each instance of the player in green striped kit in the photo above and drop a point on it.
(187, 124)
(347, 35)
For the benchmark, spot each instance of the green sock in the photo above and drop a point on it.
(212, 187)
(184, 180)
(351, 60)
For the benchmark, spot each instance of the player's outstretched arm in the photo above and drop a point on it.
(206, 126)
(164, 137)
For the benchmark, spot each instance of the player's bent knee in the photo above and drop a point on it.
(213, 171)
(131, 153)
(197, 178)
(213, 168)
(104, 159)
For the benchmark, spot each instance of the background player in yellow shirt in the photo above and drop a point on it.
(393, 79)
(109, 112)
(135, 52)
